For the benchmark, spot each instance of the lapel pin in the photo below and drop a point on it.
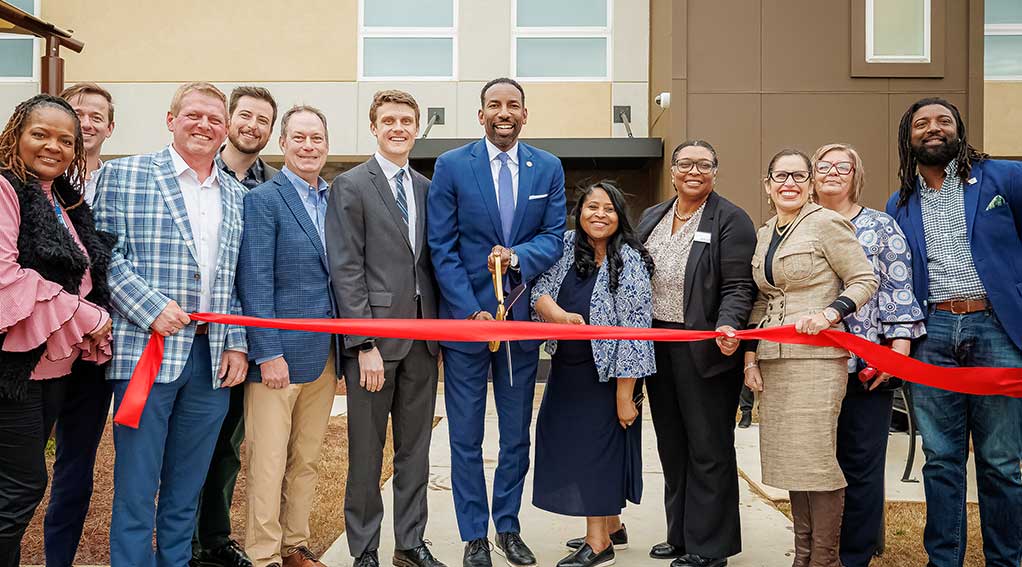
(972, 181)
(528, 164)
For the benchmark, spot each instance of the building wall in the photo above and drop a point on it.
(143, 50)
(755, 76)
(1002, 110)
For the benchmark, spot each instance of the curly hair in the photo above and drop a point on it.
(10, 137)
(585, 256)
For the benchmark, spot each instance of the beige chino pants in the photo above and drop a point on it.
(284, 430)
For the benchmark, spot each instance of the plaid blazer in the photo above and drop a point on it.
(154, 261)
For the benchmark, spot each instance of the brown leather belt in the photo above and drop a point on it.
(963, 306)
(202, 329)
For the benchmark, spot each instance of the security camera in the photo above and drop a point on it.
(663, 100)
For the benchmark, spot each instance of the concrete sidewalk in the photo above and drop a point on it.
(766, 532)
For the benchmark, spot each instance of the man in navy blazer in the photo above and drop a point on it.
(500, 197)
(283, 273)
(962, 215)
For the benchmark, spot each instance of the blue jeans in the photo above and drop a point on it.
(946, 420)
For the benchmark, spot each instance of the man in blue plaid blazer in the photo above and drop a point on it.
(178, 219)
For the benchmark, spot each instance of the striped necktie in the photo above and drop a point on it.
(402, 198)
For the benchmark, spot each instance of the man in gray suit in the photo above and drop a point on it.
(380, 267)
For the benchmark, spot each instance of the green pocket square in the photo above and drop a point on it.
(997, 201)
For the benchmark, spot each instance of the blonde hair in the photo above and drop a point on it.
(205, 88)
(858, 173)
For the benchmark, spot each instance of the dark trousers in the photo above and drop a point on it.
(213, 524)
(694, 419)
(23, 474)
(408, 398)
(81, 418)
(747, 399)
(862, 431)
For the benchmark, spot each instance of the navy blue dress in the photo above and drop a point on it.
(586, 464)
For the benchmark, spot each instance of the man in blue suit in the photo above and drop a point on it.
(283, 273)
(962, 215)
(494, 197)
(178, 221)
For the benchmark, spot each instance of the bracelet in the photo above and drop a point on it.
(753, 364)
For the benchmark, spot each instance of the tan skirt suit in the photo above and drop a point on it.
(817, 260)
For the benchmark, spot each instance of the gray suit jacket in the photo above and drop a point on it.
(373, 267)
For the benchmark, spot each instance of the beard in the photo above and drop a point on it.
(937, 155)
(245, 147)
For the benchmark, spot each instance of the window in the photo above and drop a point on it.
(1003, 40)
(898, 31)
(18, 52)
(408, 40)
(562, 40)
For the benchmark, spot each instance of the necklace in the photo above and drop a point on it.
(679, 217)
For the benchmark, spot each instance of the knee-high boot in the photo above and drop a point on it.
(802, 526)
(826, 509)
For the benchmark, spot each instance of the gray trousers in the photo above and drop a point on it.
(409, 398)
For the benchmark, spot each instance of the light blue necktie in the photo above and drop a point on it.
(401, 198)
(505, 196)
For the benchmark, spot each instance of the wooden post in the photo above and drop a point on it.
(52, 67)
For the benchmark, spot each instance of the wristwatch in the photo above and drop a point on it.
(367, 346)
(832, 315)
(514, 260)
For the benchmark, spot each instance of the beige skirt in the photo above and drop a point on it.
(798, 412)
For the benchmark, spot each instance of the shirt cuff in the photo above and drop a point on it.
(268, 358)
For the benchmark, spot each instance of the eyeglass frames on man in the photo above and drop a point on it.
(780, 177)
(686, 165)
(842, 167)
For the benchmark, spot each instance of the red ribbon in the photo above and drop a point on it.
(968, 380)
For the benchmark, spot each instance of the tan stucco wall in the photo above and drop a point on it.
(185, 40)
(1002, 118)
(567, 110)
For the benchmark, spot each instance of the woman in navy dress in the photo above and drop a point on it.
(588, 435)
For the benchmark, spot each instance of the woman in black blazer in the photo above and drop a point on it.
(702, 245)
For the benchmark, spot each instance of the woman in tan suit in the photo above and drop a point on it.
(803, 254)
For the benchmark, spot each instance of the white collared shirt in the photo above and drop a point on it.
(202, 202)
(512, 164)
(90, 185)
(390, 169)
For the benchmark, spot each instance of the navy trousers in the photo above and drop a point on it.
(170, 453)
(81, 418)
(862, 431)
(465, 394)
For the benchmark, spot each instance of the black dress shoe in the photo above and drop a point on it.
(693, 560)
(416, 557)
(618, 538)
(586, 557)
(514, 550)
(666, 550)
(229, 554)
(746, 420)
(367, 559)
(477, 553)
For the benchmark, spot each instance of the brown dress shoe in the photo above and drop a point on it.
(300, 556)
(802, 525)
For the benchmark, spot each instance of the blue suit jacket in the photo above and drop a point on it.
(994, 230)
(464, 226)
(154, 261)
(283, 273)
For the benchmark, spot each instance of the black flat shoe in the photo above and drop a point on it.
(514, 550)
(367, 559)
(618, 538)
(693, 560)
(746, 420)
(229, 554)
(586, 557)
(477, 553)
(416, 557)
(666, 551)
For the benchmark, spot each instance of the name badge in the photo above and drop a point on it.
(702, 237)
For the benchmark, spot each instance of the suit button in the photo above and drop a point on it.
(198, 276)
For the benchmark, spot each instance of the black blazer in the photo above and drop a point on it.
(719, 289)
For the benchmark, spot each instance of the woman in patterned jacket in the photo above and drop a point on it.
(588, 437)
(891, 317)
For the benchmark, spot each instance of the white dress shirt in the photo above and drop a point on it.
(202, 201)
(390, 169)
(90, 185)
(512, 164)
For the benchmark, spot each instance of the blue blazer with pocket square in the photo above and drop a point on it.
(283, 273)
(993, 216)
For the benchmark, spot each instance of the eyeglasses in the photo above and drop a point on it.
(686, 165)
(780, 177)
(842, 167)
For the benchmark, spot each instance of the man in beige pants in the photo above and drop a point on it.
(283, 273)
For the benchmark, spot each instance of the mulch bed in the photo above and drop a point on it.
(327, 519)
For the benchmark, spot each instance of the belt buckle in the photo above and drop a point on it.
(965, 306)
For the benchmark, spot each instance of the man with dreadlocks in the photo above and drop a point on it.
(962, 216)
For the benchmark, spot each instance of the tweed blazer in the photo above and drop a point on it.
(818, 259)
(154, 261)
